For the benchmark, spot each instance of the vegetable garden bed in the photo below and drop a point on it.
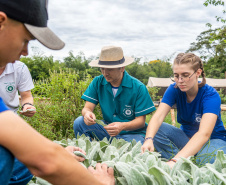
(133, 168)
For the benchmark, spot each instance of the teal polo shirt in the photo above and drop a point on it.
(132, 100)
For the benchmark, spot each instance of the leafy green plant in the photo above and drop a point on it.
(223, 96)
(133, 168)
(153, 91)
(100, 122)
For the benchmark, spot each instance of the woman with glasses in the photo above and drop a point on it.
(202, 132)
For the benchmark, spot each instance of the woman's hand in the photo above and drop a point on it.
(171, 164)
(148, 145)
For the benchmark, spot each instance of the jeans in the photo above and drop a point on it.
(12, 171)
(169, 140)
(97, 131)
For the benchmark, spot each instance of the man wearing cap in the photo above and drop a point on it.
(20, 22)
(124, 100)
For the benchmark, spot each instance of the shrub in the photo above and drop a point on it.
(153, 91)
(56, 114)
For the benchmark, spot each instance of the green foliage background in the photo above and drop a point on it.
(58, 102)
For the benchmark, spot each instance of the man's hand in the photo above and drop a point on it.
(104, 174)
(89, 118)
(71, 149)
(27, 112)
(148, 145)
(114, 128)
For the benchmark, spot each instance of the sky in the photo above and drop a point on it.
(146, 29)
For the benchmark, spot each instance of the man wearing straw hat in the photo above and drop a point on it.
(123, 99)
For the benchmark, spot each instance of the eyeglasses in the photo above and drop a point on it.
(183, 78)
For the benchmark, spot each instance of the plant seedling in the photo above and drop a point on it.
(80, 154)
(28, 110)
(100, 122)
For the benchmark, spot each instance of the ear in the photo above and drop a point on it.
(3, 18)
(123, 69)
(199, 72)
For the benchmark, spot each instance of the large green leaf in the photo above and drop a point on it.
(136, 177)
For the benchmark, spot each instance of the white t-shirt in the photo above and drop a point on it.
(114, 90)
(16, 77)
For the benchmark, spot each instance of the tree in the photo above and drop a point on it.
(80, 64)
(216, 3)
(211, 44)
(39, 66)
(162, 69)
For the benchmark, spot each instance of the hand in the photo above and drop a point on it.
(114, 128)
(28, 113)
(148, 145)
(171, 163)
(89, 118)
(71, 149)
(104, 174)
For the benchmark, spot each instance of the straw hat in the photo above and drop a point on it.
(111, 57)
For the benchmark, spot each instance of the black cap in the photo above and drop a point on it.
(34, 15)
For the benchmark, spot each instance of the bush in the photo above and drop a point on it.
(153, 91)
(55, 115)
(223, 97)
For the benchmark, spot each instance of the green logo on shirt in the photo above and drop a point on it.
(10, 88)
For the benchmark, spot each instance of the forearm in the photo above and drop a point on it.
(199, 138)
(153, 126)
(193, 146)
(138, 122)
(85, 110)
(68, 171)
(27, 100)
(43, 157)
(26, 97)
(157, 119)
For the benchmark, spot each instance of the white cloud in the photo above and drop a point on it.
(145, 28)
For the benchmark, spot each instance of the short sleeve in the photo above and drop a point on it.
(3, 107)
(169, 96)
(25, 81)
(144, 104)
(212, 103)
(91, 94)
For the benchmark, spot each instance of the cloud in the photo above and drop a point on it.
(145, 28)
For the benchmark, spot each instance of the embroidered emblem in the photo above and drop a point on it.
(197, 118)
(128, 112)
(10, 88)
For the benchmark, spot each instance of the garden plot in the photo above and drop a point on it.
(133, 168)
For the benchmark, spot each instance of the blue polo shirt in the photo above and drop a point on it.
(131, 100)
(3, 107)
(189, 115)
